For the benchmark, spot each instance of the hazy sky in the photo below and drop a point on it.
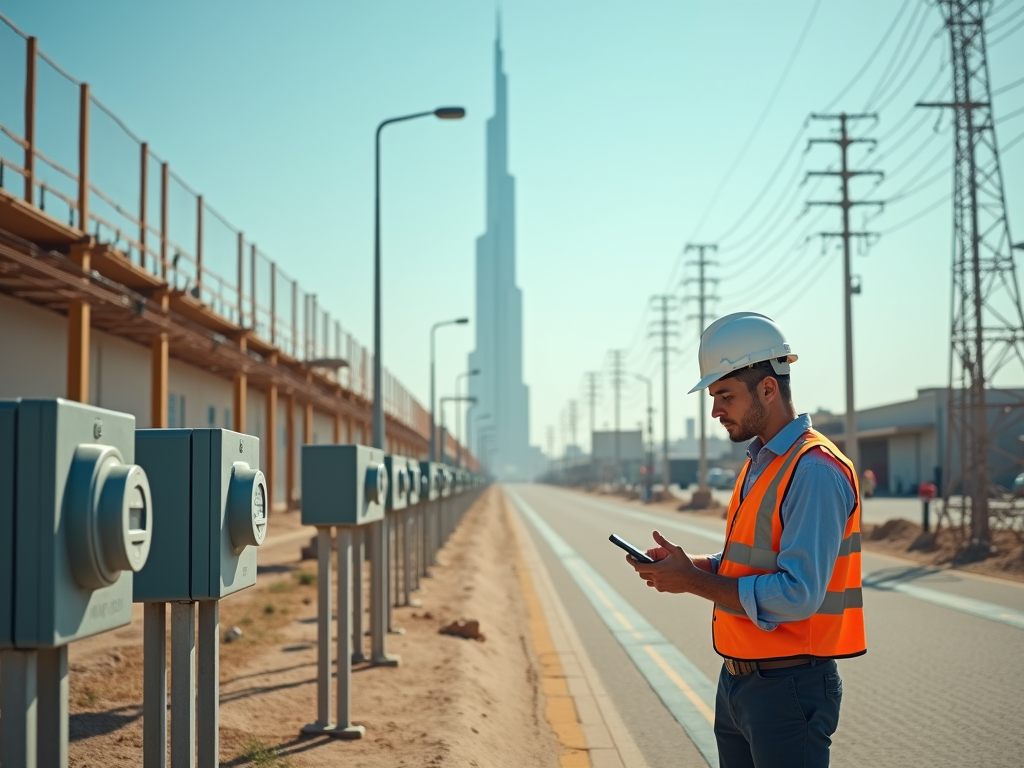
(634, 129)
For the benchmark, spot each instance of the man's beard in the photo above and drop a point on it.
(753, 424)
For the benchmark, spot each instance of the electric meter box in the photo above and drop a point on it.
(447, 482)
(415, 481)
(398, 482)
(213, 513)
(76, 521)
(343, 485)
(430, 487)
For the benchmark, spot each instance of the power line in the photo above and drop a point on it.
(760, 120)
(901, 48)
(617, 376)
(871, 59)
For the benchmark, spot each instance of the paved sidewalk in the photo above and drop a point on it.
(605, 738)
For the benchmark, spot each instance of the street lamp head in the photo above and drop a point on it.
(462, 321)
(475, 372)
(450, 113)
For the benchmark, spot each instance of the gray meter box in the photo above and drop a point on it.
(430, 488)
(76, 520)
(447, 482)
(343, 485)
(213, 513)
(415, 481)
(398, 482)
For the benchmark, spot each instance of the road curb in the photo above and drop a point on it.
(578, 708)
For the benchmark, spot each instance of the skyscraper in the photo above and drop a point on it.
(502, 412)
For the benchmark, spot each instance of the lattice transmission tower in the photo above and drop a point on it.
(987, 333)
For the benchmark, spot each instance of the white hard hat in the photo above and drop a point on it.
(740, 340)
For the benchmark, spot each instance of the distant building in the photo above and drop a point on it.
(499, 388)
(904, 443)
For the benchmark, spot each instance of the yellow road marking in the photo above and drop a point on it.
(560, 707)
(681, 684)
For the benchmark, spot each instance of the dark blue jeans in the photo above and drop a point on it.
(778, 718)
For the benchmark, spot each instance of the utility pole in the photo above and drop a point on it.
(617, 374)
(987, 324)
(592, 379)
(573, 421)
(664, 328)
(844, 142)
(703, 496)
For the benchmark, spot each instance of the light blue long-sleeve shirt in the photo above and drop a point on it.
(814, 516)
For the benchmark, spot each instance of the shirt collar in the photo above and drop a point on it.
(784, 440)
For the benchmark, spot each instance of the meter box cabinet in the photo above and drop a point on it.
(412, 466)
(447, 481)
(213, 513)
(343, 485)
(430, 474)
(398, 482)
(76, 521)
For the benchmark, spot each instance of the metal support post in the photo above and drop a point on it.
(378, 537)
(208, 699)
(358, 556)
(323, 634)
(407, 538)
(52, 722)
(391, 532)
(19, 702)
(154, 686)
(344, 728)
(183, 685)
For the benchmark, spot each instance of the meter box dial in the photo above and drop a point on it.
(412, 466)
(430, 487)
(213, 513)
(76, 521)
(343, 485)
(398, 482)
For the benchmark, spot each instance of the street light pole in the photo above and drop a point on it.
(458, 413)
(444, 113)
(433, 397)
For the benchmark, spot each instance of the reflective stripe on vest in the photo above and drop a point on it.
(836, 628)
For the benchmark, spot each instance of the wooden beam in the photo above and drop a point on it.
(239, 394)
(32, 50)
(289, 460)
(158, 371)
(337, 428)
(307, 423)
(79, 325)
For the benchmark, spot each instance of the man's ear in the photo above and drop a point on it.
(769, 387)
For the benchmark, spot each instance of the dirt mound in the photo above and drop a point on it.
(949, 548)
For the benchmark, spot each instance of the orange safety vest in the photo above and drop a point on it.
(752, 546)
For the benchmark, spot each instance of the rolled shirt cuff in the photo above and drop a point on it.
(749, 603)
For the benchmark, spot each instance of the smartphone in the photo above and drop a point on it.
(639, 556)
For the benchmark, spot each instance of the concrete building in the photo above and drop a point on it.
(904, 443)
(499, 388)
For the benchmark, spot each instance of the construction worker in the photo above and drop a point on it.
(787, 586)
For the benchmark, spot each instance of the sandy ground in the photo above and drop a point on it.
(452, 702)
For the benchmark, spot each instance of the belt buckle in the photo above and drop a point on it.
(735, 667)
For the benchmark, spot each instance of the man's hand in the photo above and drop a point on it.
(672, 571)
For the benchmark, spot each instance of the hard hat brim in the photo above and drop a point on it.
(711, 378)
(707, 381)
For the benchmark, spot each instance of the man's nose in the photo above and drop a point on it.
(716, 409)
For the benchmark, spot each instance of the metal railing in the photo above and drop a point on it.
(64, 152)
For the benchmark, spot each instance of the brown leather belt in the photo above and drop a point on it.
(736, 667)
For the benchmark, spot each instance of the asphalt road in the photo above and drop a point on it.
(942, 683)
